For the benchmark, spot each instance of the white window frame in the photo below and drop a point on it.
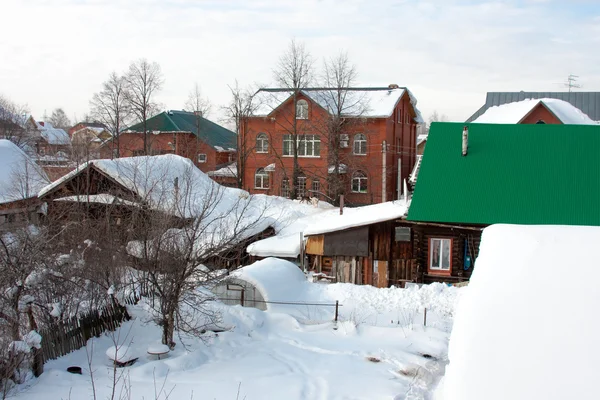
(360, 139)
(436, 261)
(362, 181)
(301, 187)
(263, 139)
(316, 187)
(285, 188)
(261, 179)
(301, 109)
(202, 158)
(304, 143)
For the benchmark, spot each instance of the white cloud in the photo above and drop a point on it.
(448, 52)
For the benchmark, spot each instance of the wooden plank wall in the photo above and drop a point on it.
(314, 245)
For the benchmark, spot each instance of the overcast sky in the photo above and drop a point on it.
(56, 53)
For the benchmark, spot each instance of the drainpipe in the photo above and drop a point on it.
(383, 172)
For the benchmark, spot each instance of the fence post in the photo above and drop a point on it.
(425, 317)
(242, 298)
(337, 304)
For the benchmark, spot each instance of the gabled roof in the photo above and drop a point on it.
(371, 102)
(212, 134)
(587, 102)
(54, 135)
(518, 174)
(514, 113)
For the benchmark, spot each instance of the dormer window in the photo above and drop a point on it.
(301, 109)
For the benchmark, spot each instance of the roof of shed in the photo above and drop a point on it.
(213, 134)
(588, 102)
(519, 174)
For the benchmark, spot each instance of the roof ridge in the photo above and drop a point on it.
(171, 119)
(355, 88)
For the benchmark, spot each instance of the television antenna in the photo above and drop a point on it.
(571, 82)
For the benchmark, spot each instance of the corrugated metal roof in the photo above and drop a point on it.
(588, 102)
(182, 121)
(518, 174)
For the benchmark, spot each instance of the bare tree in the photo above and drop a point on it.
(436, 117)
(59, 119)
(142, 81)
(196, 102)
(240, 107)
(294, 71)
(13, 123)
(110, 106)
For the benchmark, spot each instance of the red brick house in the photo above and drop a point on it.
(209, 145)
(534, 110)
(376, 147)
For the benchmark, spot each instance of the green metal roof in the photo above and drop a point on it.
(519, 174)
(183, 121)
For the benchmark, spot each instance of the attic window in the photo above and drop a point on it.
(201, 158)
(540, 122)
(301, 109)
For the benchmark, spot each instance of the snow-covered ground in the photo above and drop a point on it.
(379, 349)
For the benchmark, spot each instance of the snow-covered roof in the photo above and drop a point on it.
(103, 198)
(55, 136)
(359, 216)
(412, 179)
(153, 179)
(421, 138)
(513, 113)
(228, 171)
(518, 329)
(286, 243)
(363, 102)
(20, 177)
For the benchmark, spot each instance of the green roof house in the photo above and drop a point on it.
(475, 175)
(187, 134)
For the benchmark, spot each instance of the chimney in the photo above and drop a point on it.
(465, 141)
(393, 86)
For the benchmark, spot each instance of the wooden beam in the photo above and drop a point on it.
(436, 224)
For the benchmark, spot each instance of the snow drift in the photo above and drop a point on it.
(20, 177)
(521, 330)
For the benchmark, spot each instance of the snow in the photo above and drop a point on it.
(286, 243)
(228, 171)
(19, 346)
(290, 352)
(359, 216)
(513, 113)
(522, 331)
(158, 349)
(33, 339)
(20, 177)
(102, 198)
(120, 353)
(378, 103)
(342, 169)
(55, 136)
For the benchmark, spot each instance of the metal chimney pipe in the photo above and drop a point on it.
(465, 141)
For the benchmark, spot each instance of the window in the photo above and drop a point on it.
(440, 251)
(301, 188)
(309, 146)
(261, 179)
(288, 144)
(359, 182)
(316, 187)
(400, 116)
(301, 109)
(137, 153)
(201, 158)
(262, 143)
(360, 144)
(540, 122)
(285, 188)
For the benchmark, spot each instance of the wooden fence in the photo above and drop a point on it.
(72, 334)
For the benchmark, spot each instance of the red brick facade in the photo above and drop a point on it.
(540, 113)
(184, 144)
(398, 131)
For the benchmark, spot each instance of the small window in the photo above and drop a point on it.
(301, 188)
(285, 188)
(360, 144)
(137, 153)
(262, 143)
(359, 182)
(440, 259)
(316, 187)
(201, 158)
(301, 109)
(288, 143)
(261, 179)
(400, 116)
(541, 122)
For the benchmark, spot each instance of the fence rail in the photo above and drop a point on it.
(72, 334)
